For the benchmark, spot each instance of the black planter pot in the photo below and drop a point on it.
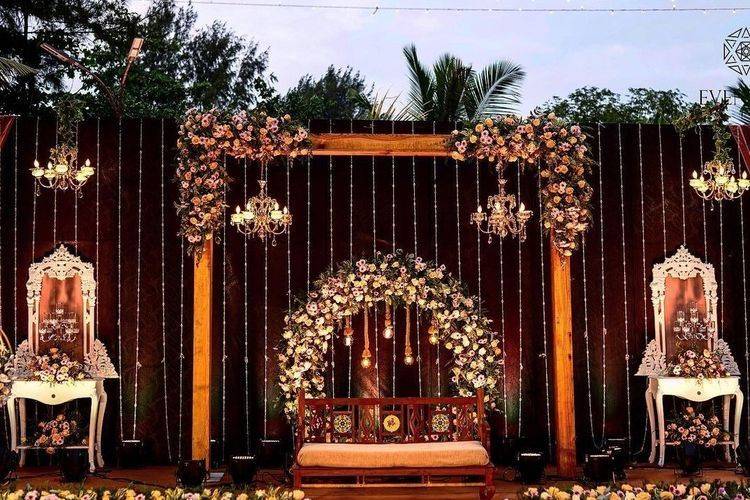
(191, 473)
(74, 465)
(690, 458)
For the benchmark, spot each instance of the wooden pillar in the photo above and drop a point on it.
(202, 304)
(562, 352)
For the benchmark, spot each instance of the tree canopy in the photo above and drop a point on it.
(181, 64)
(638, 105)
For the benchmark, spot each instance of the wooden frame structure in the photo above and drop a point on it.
(394, 145)
(414, 420)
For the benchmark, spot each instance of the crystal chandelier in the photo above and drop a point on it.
(262, 216)
(503, 217)
(62, 171)
(718, 181)
(59, 325)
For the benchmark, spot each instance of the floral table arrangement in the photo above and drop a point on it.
(268, 493)
(663, 491)
(690, 364)
(56, 367)
(55, 433)
(698, 428)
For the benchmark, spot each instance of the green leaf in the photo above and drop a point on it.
(421, 83)
(496, 90)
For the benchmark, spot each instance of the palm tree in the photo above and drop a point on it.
(452, 90)
(742, 92)
(11, 69)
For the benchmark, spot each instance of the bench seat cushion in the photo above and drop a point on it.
(382, 455)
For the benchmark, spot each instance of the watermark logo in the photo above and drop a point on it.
(737, 51)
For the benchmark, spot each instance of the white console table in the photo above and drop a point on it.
(696, 390)
(54, 394)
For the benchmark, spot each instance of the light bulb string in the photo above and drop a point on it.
(162, 238)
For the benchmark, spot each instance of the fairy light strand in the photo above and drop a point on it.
(245, 325)
(181, 365)
(682, 190)
(604, 298)
(663, 197)
(643, 251)
(624, 285)
(479, 243)
(351, 251)
(15, 232)
(119, 272)
(502, 340)
(96, 258)
(393, 250)
(265, 338)
(54, 208)
(586, 338)
(138, 280)
(416, 252)
(458, 223)
(744, 304)
(75, 205)
(435, 237)
(699, 131)
(374, 254)
(721, 269)
(224, 356)
(520, 318)
(330, 254)
(544, 320)
(163, 287)
(33, 198)
(373, 9)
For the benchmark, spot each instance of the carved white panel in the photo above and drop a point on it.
(654, 361)
(61, 265)
(682, 265)
(723, 351)
(97, 362)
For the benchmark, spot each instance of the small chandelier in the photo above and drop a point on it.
(262, 216)
(502, 220)
(718, 181)
(62, 171)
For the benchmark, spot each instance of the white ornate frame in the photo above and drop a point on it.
(61, 265)
(682, 265)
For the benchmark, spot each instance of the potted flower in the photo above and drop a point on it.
(693, 432)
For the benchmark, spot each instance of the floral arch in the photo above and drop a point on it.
(395, 280)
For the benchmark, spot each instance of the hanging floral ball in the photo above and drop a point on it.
(399, 280)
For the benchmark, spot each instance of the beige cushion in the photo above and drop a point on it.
(449, 454)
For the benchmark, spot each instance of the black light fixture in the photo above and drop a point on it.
(743, 459)
(8, 464)
(270, 454)
(242, 468)
(689, 457)
(130, 454)
(191, 473)
(74, 465)
(619, 459)
(530, 466)
(598, 467)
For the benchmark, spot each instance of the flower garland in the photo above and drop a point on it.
(271, 492)
(562, 153)
(202, 139)
(54, 433)
(56, 367)
(690, 364)
(400, 280)
(695, 427)
(717, 490)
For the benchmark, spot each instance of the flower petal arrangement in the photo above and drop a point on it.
(402, 281)
(55, 433)
(267, 493)
(692, 426)
(716, 490)
(56, 367)
(204, 138)
(562, 155)
(690, 364)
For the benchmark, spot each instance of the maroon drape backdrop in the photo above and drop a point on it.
(27, 233)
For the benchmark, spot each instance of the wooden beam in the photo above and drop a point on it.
(562, 352)
(379, 145)
(202, 304)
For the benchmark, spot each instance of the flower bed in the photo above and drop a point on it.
(690, 491)
(269, 493)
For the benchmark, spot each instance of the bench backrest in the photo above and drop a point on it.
(390, 420)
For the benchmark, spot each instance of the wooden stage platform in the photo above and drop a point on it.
(164, 476)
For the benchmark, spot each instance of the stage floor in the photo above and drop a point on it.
(163, 476)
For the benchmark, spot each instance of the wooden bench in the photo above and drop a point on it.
(391, 437)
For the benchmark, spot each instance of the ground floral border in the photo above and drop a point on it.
(694, 490)
(400, 279)
(144, 492)
(556, 149)
(204, 139)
